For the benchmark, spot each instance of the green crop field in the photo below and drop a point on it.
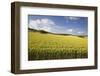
(46, 46)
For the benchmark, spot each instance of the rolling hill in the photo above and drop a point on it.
(43, 45)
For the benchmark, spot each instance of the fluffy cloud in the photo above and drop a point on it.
(70, 30)
(50, 26)
(73, 18)
(80, 33)
(41, 24)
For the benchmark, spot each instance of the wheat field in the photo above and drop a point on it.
(48, 46)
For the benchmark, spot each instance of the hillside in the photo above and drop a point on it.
(44, 45)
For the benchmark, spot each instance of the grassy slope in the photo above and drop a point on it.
(50, 46)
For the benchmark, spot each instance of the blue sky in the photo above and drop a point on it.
(59, 24)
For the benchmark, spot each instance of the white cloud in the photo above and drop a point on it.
(70, 30)
(73, 18)
(50, 26)
(80, 33)
(41, 24)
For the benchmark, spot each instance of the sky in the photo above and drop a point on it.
(59, 24)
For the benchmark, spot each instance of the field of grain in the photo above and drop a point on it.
(48, 46)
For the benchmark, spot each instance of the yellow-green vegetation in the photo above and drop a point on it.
(44, 46)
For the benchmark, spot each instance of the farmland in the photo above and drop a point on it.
(46, 46)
